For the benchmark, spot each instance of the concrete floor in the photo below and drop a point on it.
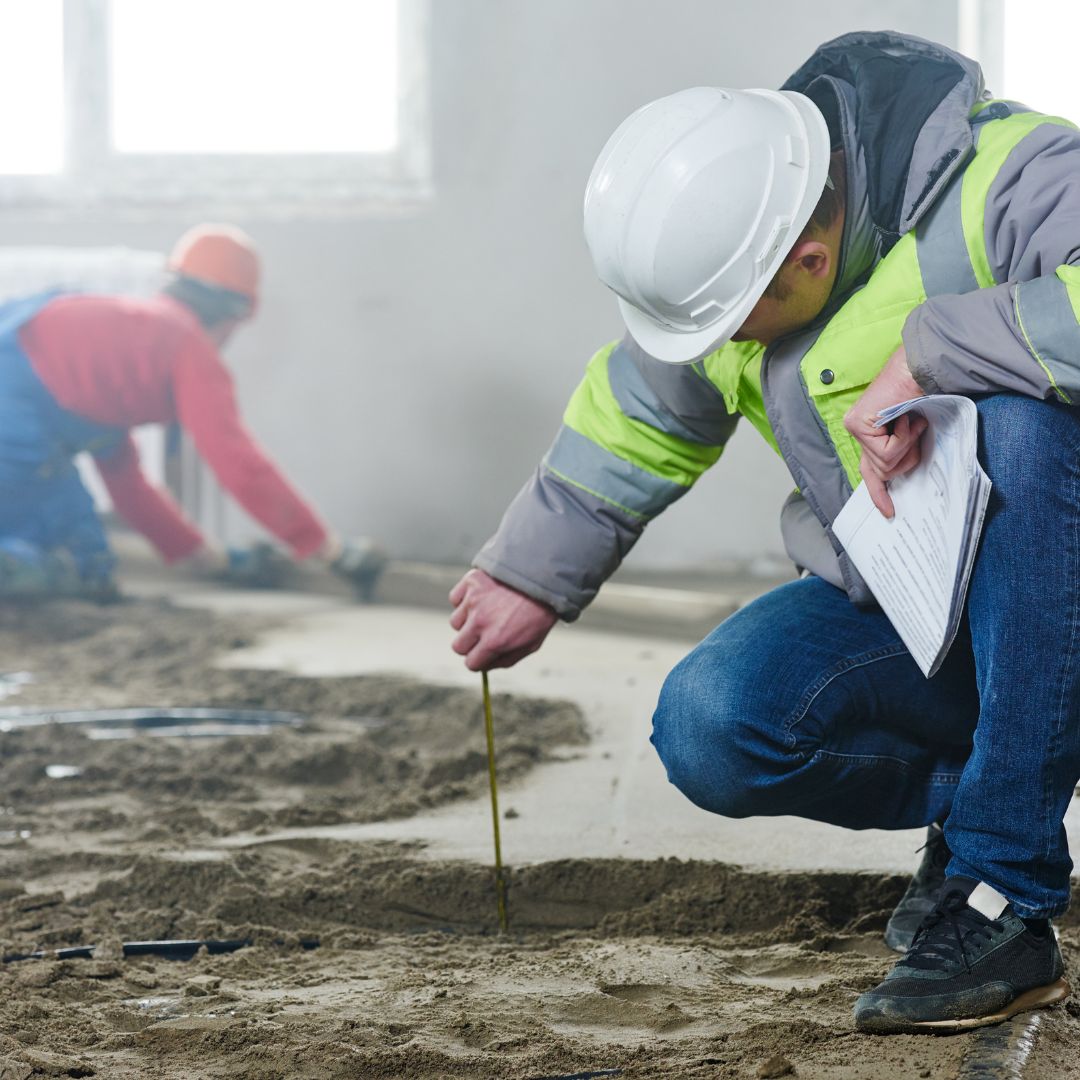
(610, 798)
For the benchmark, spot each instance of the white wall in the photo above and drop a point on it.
(409, 371)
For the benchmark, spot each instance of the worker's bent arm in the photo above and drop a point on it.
(144, 507)
(1022, 334)
(636, 435)
(206, 408)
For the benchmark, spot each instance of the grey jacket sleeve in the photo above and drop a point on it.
(1021, 335)
(586, 505)
(558, 543)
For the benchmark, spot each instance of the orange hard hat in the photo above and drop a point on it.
(221, 256)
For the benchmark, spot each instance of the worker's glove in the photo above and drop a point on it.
(206, 561)
(360, 562)
(259, 566)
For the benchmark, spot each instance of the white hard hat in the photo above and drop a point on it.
(694, 203)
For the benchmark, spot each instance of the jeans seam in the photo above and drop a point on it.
(1055, 739)
(887, 761)
(873, 761)
(849, 663)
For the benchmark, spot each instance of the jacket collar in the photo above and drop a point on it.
(900, 108)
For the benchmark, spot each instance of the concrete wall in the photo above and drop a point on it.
(409, 371)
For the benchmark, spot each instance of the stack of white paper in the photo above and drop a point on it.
(918, 563)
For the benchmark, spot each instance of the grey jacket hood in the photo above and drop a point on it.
(905, 104)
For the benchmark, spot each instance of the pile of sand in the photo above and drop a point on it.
(371, 748)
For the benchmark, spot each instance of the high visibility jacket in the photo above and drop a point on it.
(961, 241)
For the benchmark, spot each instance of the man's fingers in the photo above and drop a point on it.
(907, 462)
(879, 495)
(488, 659)
(509, 659)
(477, 660)
(887, 453)
(886, 470)
(906, 438)
(872, 466)
(884, 475)
(876, 488)
(882, 445)
(483, 658)
(466, 640)
(894, 448)
(496, 625)
(873, 455)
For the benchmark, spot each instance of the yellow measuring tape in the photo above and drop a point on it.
(500, 884)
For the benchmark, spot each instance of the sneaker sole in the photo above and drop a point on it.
(1038, 998)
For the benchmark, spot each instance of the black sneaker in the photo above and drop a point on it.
(921, 893)
(973, 962)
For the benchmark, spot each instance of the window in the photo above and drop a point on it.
(32, 70)
(1039, 56)
(317, 102)
(1027, 50)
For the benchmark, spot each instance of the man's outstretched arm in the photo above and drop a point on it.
(145, 508)
(206, 407)
(636, 435)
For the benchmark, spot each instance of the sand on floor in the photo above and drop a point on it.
(364, 960)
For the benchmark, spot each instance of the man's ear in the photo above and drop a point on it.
(811, 257)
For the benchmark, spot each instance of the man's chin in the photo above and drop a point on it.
(748, 335)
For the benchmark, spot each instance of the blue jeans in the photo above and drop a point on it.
(803, 704)
(43, 515)
(44, 507)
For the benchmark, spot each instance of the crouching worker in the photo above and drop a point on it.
(877, 230)
(78, 371)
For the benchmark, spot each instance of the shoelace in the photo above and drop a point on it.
(942, 939)
(940, 855)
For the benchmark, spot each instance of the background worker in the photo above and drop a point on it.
(78, 371)
(877, 230)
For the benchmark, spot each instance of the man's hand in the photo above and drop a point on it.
(894, 449)
(331, 548)
(360, 561)
(207, 560)
(497, 626)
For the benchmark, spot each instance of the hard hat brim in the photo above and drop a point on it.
(683, 347)
(679, 346)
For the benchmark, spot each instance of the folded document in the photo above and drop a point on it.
(918, 564)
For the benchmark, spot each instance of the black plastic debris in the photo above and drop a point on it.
(171, 950)
(580, 1076)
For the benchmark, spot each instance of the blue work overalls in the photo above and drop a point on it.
(44, 506)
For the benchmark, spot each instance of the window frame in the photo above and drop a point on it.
(981, 35)
(96, 177)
